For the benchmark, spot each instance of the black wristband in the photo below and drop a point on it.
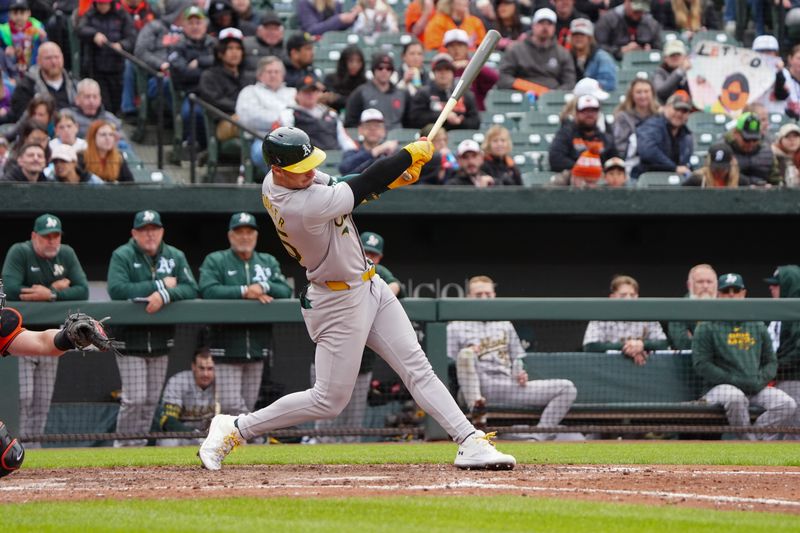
(377, 177)
(62, 342)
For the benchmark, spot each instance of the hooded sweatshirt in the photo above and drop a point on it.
(789, 349)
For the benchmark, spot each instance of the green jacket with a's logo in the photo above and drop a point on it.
(23, 268)
(134, 274)
(225, 276)
(734, 353)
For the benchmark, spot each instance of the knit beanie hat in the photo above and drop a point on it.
(588, 166)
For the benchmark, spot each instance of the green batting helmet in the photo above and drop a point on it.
(291, 149)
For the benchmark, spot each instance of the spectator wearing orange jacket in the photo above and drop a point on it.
(452, 14)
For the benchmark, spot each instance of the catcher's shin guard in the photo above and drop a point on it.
(11, 452)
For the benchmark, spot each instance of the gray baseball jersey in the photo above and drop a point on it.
(620, 331)
(499, 350)
(197, 405)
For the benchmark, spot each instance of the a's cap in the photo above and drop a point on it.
(719, 155)
(299, 40)
(749, 126)
(231, 34)
(727, 281)
(786, 129)
(21, 5)
(290, 149)
(309, 81)
(372, 242)
(371, 115)
(679, 102)
(442, 61)
(591, 87)
(456, 35)
(641, 5)
(675, 46)
(544, 13)
(381, 59)
(588, 166)
(468, 145)
(270, 17)
(146, 218)
(582, 26)
(765, 43)
(242, 219)
(193, 11)
(47, 224)
(614, 162)
(64, 152)
(587, 101)
(775, 278)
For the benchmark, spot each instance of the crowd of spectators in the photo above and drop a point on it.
(263, 68)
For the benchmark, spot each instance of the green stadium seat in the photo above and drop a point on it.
(331, 163)
(537, 178)
(658, 179)
(641, 60)
(505, 104)
(456, 136)
(397, 40)
(626, 76)
(553, 101)
(525, 163)
(338, 40)
(403, 135)
(713, 35)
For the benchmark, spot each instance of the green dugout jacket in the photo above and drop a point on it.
(23, 268)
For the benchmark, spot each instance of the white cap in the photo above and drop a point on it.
(456, 36)
(765, 43)
(371, 114)
(591, 87)
(587, 101)
(582, 26)
(231, 33)
(675, 46)
(64, 152)
(468, 145)
(544, 13)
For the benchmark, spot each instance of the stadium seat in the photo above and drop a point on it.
(658, 179)
(331, 163)
(626, 76)
(553, 101)
(505, 104)
(456, 136)
(713, 35)
(338, 40)
(537, 178)
(641, 60)
(403, 135)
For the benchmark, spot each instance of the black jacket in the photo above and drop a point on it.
(255, 49)
(502, 170)
(118, 27)
(220, 87)
(185, 78)
(564, 151)
(13, 172)
(428, 102)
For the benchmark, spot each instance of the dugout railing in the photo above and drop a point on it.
(614, 396)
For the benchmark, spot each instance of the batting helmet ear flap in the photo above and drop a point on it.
(11, 452)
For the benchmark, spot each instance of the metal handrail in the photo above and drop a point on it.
(159, 99)
(215, 112)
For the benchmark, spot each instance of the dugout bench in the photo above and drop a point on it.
(612, 390)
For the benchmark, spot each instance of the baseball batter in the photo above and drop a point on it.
(346, 305)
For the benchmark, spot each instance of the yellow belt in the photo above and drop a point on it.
(344, 286)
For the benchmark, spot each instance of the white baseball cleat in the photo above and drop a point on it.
(223, 437)
(478, 452)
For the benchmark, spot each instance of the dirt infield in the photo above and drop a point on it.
(744, 488)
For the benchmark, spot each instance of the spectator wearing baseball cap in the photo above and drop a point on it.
(719, 170)
(320, 122)
(628, 27)
(565, 14)
(300, 62)
(221, 15)
(774, 100)
(575, 137)
(373, 143)
(378, 93)
(757, 164)
(664, 141)
(786, 149)
(470, 161)
(318, 18)
(671, 75)
(538, 64)
(591, 61)
(430, 99)
(456, 42)
(452, 15)
(65, 167)
(267, 41)
(222, 83)
(615, 175)
(103, 27)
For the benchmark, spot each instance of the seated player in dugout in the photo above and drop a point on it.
(346, 306)
(79, 332)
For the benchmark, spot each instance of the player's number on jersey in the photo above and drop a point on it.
(293, 252)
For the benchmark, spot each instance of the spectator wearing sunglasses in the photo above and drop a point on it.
(378, 93)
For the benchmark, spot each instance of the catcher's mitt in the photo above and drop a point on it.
(84, 331)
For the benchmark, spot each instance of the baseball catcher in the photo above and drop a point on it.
(80, 331)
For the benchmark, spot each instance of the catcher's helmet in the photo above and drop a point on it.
(291, 149)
